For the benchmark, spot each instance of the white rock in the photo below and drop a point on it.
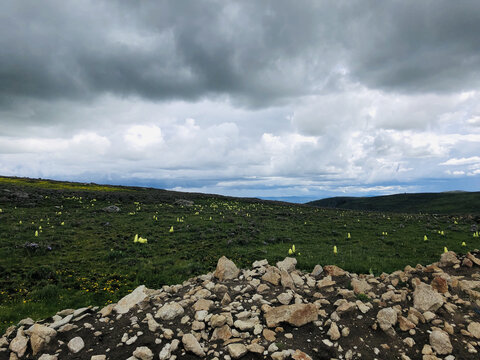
(62, 322)
(132, 299)
(237, 350)
(333, 332)
(170, 311)
(287, 264)
(76, 344)
(474, 329)
(19, 343)
(226, 269)
(166, 352)
(98, 357)
(426, 299)
(440, 342)
(191, 344)
(143, 353)
(40, 335)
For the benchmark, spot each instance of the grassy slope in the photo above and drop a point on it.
(434, 203)
(93, 259)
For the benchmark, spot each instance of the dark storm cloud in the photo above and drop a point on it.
(254, 52)
(416, 46)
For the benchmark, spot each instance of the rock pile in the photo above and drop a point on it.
(274, 312)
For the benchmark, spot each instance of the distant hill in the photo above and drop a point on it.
(452, 202)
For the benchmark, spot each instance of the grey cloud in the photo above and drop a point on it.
(410, 46)
(255, 53)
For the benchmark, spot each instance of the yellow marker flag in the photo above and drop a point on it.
(335, 249)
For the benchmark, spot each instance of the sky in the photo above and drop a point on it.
(275, 99)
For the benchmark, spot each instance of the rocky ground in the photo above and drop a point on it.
(274, 312)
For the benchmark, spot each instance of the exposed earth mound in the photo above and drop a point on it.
(274, 312)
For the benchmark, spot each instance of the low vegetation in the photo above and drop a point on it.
(85, 251)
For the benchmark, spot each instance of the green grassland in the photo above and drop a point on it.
(84, 255)
(433, 203)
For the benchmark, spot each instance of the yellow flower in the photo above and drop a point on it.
(36, 233)
(63, 223)
(293, 248)
(171, 229)
(290, 252)
(20, 222)
(335, 249)
(445, 249)
(425, 238)
(142, 240)
(135, 239)
(348, 236)
(463, 244)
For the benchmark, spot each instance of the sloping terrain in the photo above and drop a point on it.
(428, 203)
(274, 312)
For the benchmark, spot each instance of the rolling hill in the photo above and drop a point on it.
(453, 202)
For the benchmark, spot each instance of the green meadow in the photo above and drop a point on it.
(60, 249)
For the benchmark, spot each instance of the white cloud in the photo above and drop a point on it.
(462, 161)
(140, 137)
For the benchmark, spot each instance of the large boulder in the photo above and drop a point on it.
(360, 286)
(226, 269)
(295, 314)
(191, 344)
(143, 353)
(19, 343)
(135, 297)
(387, 318)
(440, 342)
(170, 311)
(449, 259)
(272, 275)
(287, 264)
(426, 299)
(76, 344)
(40, 335)
(236, 351)
(474, 329)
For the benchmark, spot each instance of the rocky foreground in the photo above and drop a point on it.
(274, 312)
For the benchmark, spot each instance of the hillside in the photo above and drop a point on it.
(69, 245)
(429, 203)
